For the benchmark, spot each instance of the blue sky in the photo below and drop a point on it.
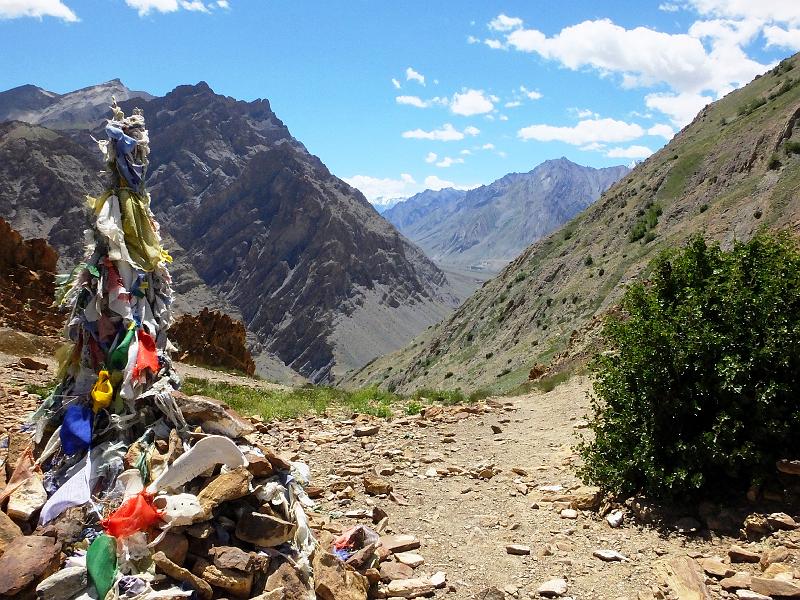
(398, 96)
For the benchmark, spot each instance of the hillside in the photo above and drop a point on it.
(259, 228)
(733, 170)
(484, 228)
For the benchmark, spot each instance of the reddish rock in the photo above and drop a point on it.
(27, 559)
(213, 339)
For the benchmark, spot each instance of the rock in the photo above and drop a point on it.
(175, 546)
(63, 584)
(231, 557)
(779, 570)
(375, 485)
(407, 588)
(399, 543)
(491, 593)
(27, 559)
(688, 525)
(553, 588)
(228, 486)
(496, 429)
(685, 579)
(751, 595)
(27, 499)
(334, 581)
(214, 339)
(236, 583)
(259, 466)
(518, 549)
(263, 529)
(789, 467)
(773, 555)
(213, 416)
(738, 554)
(9, 531)
(781, 521)
(736, 581)
(609, 555)
(287, 579)
(411, 559)
(366, 431)
(755, 527)
(439, 579)
(775, 587)
(569, 513)
(276, 459)
(276, 594)
(585, 498)
(615, 518)
(362, 558)
(178, 573)
(715, 567)
(390, 571)
(32, 365)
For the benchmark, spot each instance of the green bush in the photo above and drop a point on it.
(700, 392)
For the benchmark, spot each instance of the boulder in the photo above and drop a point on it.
(63, 584)
(214, 339)
(166, 566)
(27, 559)
(334, 581)
(213, 416)
(235, 582)
(9, 531)
(264, 529)
(775, 587)
(231, 485)
(399, 543)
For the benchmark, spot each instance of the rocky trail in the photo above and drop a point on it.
(486, 494)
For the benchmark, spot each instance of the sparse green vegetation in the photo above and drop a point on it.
(774, 162)
(700, 393)
(41, 390)
(646, 222)
(751, 106)
(588, 261)
(446, 397)
(792, 148)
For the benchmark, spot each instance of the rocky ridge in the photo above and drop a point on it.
(729, 173)
(486, 227)
(250, 218)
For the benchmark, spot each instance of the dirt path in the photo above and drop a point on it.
(463, 521)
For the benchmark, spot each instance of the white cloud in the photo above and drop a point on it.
(590, 130)
(471, 39)
(412, 75)
(487, 147)
(669, 7)
(680, 108)
(412, 101)
(376, 189)
(646, 57)
(494, 44)
(14, 9)
(471, 102)
(223, 4)
(503, 118)
(447, 133)
(505, 23)
(431, 158)
(448, 161)
(592, 147)
(432, 182)
(583, 113)
(395, 83)
(664, 131)
(782, 38)
(513, 104)
(629, 152)
(144, 7)
(465, 152)
(531, 94)
(779, 11)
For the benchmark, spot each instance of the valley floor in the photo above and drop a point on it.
(467, 482)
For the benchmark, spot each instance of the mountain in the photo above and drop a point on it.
(258, 227)
(486, 227)
(733, 170)
(80, 109)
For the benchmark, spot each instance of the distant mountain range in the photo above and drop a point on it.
(731, 172)
(258, 226)
(486, 227)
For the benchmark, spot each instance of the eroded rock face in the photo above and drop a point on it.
(213, 339)
(27, 283)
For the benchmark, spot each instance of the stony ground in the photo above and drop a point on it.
(469, 482)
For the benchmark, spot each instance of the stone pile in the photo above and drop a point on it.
(122, 487)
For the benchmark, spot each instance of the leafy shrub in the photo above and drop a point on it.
(413, 408)
(774, 163)
(701, 394)
(748, 108)
(648, 221)
(792, 148)
(588, 261)
(446, 397)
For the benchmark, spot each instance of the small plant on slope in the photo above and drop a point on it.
(700, 394)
